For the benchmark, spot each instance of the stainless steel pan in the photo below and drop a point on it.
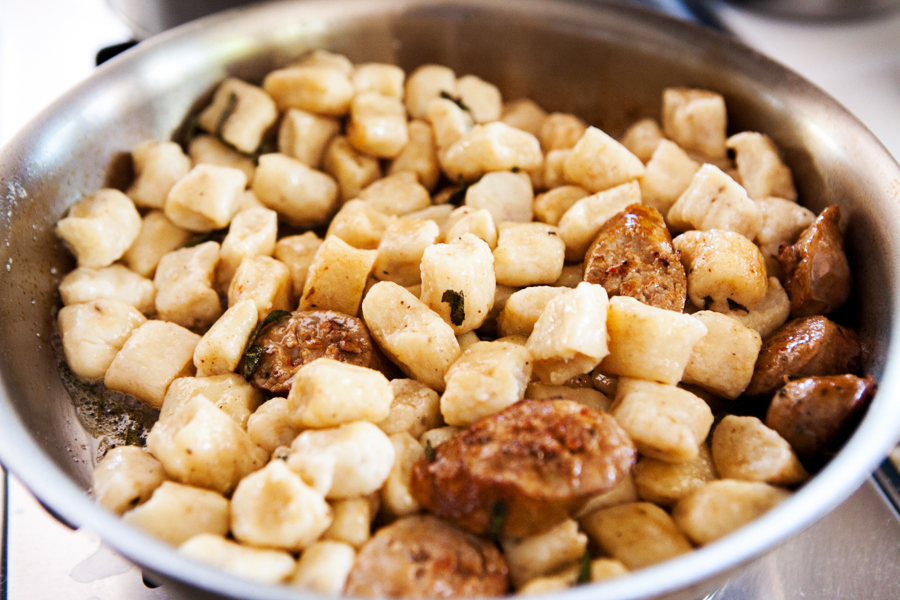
(607, 63)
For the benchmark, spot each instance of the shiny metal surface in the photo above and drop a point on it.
(605, 62)
(851, 553)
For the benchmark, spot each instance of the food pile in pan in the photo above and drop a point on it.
(409, 339)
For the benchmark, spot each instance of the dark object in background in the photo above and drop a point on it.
(149, 17)
(820, 9)
(110, 51)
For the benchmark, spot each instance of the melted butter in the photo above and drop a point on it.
(111, 418)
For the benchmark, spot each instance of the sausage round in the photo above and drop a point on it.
(817, 274)
(816, 414)
(804, 347)
(290, 343)
(524, 469)
(632, 255)
(423, 557)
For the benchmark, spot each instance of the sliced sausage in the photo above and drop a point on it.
(524, 469)
(290, 343)
(632, 255)
(801, 348)
(816, 414)
(423, 557)
(817, 274)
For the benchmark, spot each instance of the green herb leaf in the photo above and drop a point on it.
(275, 315)
(190, 130)
(252, 356)
(429, 451)
(457, 302)
(732, 305)
(455, 100)
(584, 571)
(133, 435)
(459, 196)
(230, 106)
(707, 302)
(499, 512)
(267, 146)
(212, 236)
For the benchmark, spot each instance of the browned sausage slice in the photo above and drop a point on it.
(423, 557)
(632, 255)
(816, 414)
(524, 469)
(804, 347)
(290, 343)
(817, 274)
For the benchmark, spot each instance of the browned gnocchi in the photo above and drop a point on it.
(402, 336)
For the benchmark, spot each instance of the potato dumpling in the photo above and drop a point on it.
(713, 200)
(696, 120)
(646, 342)
(176, 512)
(570, 336)
(240, 114)
(725, 270)
(665, 422)
(744, 448)
(303, 514)
(155, 354)
(157, 166)
(638, 534)
(93, 333)
(255, 564)
(487, 148)
(415, 408)
(642, 138)
(719, 507)
(327, 393)
(763, 174)
(324, 567)
(598, 162)
(665, 483)
(485, 379)
(126, 477)
(412, 335)
(723, 360)
(545, 553)
(229, 392)
(100, 228)
(202, 446)
(206, 198)
(458, 282)
(342, 462)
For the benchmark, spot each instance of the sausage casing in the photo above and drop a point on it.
(423, 557)
(817, 274)
(632, 255)
(816, 414)
(524, 469)
(804, 347)
(290, 343)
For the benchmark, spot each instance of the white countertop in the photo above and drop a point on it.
(857, 62)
